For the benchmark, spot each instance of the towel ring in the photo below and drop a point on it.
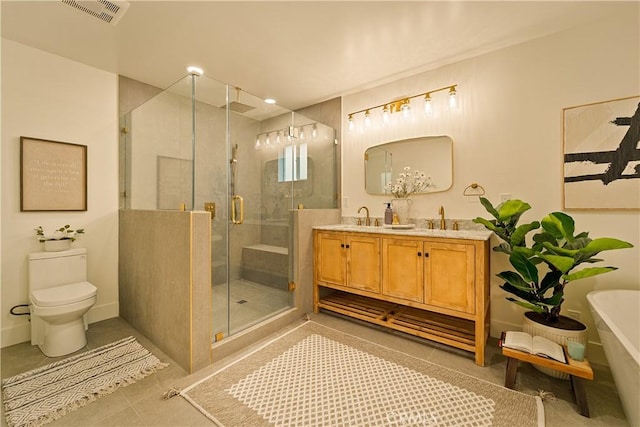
(473, 190)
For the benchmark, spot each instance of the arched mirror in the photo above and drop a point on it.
(432, 155)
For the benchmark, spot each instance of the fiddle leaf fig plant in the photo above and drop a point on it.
(545, 267)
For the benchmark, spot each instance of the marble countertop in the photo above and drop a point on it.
(421, 232)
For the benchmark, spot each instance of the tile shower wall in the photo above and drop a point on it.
(165, 281)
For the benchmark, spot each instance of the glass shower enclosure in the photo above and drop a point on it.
(205, 145)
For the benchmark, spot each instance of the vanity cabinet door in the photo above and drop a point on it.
(363, 263)
(349, 260)
(449, 271)
(402, 269)
(331, 258)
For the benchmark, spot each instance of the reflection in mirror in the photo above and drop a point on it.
(432, 155)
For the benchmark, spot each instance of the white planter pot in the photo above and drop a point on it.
(57, 245)
(557, 335)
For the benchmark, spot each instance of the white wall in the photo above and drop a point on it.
(508, 138)
(49, 97)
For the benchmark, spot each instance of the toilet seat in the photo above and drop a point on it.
(64, 294)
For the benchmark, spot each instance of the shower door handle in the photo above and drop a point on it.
(234, 216)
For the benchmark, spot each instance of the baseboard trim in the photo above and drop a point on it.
(103, 312)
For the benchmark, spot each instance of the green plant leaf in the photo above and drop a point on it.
(527, 296)
(587, 272)
(518, 237)
(555, 300)
(527, 252)
(561, 263)
(605, 244)
(527, 305)
(525, 267)
(559, 225)
(512, 208)
(489, 207)
(491, 225)
(560, 251)
(515, 280)
(503, 247)
(550, 280)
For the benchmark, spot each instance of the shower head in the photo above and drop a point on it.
(238, 106)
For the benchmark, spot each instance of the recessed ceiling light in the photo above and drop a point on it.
(270, 101)
(195, 70)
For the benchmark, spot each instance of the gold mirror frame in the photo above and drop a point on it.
(432, 155)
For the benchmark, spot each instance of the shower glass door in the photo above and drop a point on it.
(258, 225)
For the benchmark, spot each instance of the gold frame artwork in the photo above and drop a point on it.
(53, 175)
(601, 168)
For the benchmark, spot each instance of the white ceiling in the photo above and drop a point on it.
(299, 52)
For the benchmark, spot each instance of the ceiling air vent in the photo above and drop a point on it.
(104, 10)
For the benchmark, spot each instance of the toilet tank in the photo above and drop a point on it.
(47, 269)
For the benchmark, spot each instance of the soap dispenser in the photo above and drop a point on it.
(388, 214)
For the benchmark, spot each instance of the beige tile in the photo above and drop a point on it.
(141, 403)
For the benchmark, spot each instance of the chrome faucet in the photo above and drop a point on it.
(443, 223)
(367, 220)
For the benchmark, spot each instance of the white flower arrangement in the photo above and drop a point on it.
(407, 184)
(62, 233)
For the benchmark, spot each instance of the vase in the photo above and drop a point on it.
(402, 208)
(57, 245)
(574, 331)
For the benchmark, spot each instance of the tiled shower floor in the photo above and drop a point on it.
(250, 303)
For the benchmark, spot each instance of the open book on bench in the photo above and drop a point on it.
(540, 346)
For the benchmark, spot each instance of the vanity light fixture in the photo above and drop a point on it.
(291, 134)
(403, 106)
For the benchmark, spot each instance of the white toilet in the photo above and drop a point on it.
(59, 298)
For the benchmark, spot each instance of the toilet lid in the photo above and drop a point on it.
(63, 294)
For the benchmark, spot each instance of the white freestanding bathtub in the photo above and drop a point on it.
(617, 317)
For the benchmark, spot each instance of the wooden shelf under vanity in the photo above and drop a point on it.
(425, 324)
(433, 287)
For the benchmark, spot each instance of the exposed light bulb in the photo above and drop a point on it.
(385, 114)
(314, 131)
(453, 98)
(301, 133)
(427, 104)
(257, 146)
(267, 140)
(405, 109)
(278, 137)
(367, 118)
(351, 124)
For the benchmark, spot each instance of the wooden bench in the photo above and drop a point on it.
(577, 370)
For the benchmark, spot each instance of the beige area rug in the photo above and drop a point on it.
(47, 393)
(318, 376)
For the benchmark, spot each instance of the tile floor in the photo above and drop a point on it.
(250, 303)
(141, 404)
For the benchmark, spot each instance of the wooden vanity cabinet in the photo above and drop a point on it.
(434, 273)
(347, 260)
(432, 287)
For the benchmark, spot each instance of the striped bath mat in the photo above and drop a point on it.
(47, 393)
